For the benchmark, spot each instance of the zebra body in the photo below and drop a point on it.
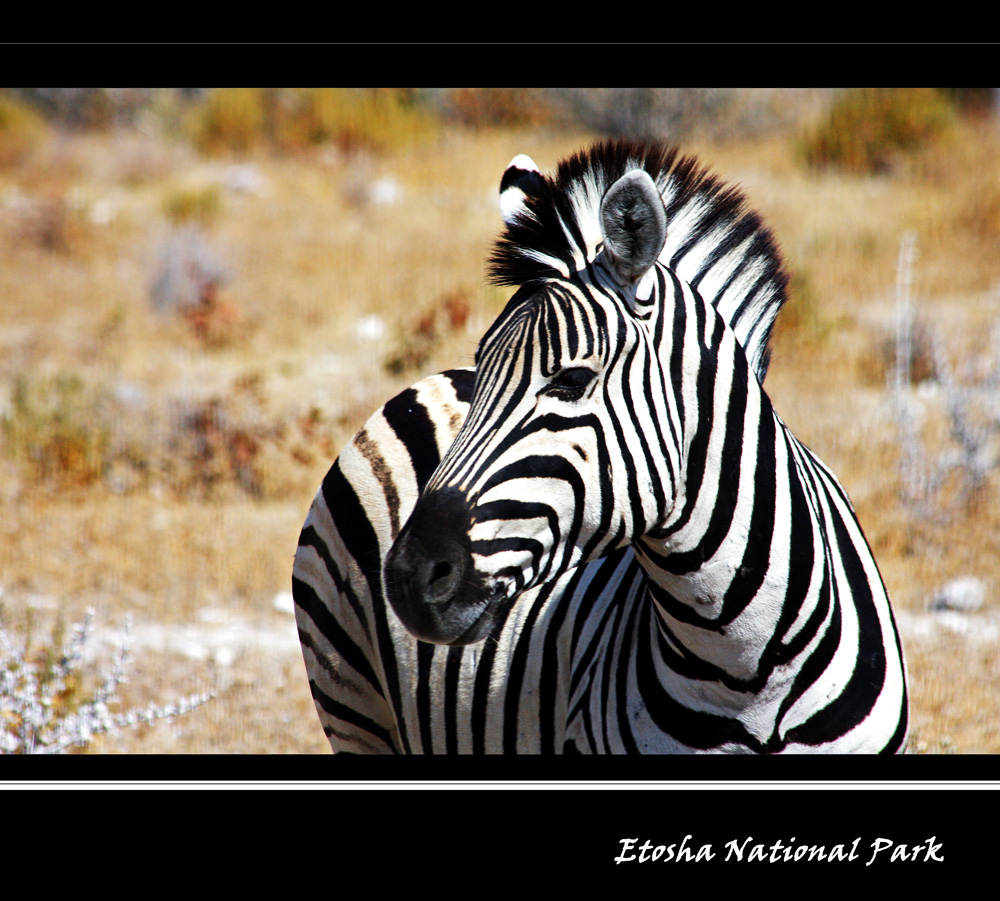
(605, 537)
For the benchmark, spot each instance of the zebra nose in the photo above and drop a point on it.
(429, 578)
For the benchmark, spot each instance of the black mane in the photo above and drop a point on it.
(707, 220)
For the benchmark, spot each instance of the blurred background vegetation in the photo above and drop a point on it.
(205, 292)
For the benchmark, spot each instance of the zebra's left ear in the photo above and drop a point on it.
(633, 226)
(521, 178)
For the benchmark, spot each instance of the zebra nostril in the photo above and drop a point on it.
(442, 574)
(441, 571)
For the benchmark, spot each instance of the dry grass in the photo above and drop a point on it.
(185, 533)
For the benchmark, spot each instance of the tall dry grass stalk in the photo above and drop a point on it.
(970, 405)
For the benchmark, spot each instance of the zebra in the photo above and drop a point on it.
(600, 538)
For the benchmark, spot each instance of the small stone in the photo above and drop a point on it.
(965, 594)
(385, 192)
(245, 179)
(370, 328)
(283, 602)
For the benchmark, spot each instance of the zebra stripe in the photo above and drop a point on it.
(608, 498)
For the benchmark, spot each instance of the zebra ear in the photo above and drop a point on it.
(521, 178)
(633, 225)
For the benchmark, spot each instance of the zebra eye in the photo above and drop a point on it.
(570, 383)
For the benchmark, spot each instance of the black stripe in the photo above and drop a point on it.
(315, 608)
(698, 730)
(452, 671)
(349, 715)
(859, 696)
(408, 418)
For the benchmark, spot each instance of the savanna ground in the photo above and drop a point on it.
(188, 337)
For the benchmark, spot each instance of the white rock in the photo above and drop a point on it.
(966, 594)
(103, 211)
(224, 656)
(245, 179)
(283, 602)
(385, 192)
(370, 328)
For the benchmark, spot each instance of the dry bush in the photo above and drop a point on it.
(57, 431)
(235, 443)
(90, 108)
(199, 205)
(231, 120)
(418, 340)
(65, 433)
(49, 220)
(186, 267)
(492, 107)
(978, 206)
(21, 131)
(867, 130)
(237, 120)
(47, 705)
(670, 114)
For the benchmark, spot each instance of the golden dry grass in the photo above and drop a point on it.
(182, 544)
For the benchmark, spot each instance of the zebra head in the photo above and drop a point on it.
(557, 463)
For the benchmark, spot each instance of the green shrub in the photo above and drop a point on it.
(868, 129)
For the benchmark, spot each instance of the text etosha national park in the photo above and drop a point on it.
(750, 850)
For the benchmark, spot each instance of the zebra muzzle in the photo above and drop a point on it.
(430, 580)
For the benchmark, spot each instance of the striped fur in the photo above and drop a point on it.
(609, 500)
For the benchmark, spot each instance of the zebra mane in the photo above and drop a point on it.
(715, 241)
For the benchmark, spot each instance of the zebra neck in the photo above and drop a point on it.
(718, 575)
(717, 621)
